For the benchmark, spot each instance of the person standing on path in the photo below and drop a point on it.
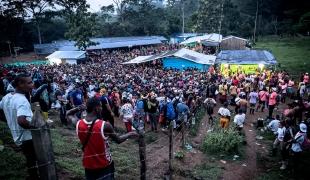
(209, 104)
(93, 133)
(272, 101)
(224, 116)
(18, 113)
(253, 100)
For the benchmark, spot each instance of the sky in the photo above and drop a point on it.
(95, 5)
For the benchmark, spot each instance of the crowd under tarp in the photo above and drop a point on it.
(245, 57)
(215, 38)
(70, 57)
(245, 61)
(102, 43)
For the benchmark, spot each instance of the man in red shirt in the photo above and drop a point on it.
(93, 133)
(272, 101)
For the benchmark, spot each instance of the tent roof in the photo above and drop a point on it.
(182, 53)
(195, 56)
(228, 37)
(66, 55)
(103, 43)
(137, 60)
(245, 57)
(208, 37)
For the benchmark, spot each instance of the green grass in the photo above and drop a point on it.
(208, 170)
(12, 160)
(68, 153)
(199, 117)
(293, 54)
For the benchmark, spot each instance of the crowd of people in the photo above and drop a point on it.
(104, 89)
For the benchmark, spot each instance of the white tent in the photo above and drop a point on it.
(208, 37)
(195, 56)
(182, 53)
(69, 57)
(137, 60)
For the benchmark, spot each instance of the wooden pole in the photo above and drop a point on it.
(142, 157)
(44, 152)
(42, 143)
(170, 149)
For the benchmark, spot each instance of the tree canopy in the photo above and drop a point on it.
(27, 22)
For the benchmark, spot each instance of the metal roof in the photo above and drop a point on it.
(67, 55)
(182, 53)
(103, 43)
(245, 57)
(208, 37)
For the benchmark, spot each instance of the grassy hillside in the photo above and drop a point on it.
(293, 54)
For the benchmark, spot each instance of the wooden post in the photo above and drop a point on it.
(183, 134)
(170, 149)
(42, 143)
(142, 157)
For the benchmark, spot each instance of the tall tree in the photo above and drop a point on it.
(81, 23)
(207, 18)
(33, 9)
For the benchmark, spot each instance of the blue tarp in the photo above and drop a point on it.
(181, 64)
(103, 43)
(245, 57)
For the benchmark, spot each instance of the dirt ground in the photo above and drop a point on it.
(157, 153)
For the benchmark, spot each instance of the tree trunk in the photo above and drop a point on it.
(255, 23)
(39, 32)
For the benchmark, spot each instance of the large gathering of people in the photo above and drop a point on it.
(104, 89)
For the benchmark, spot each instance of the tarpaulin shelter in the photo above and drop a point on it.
(179, 59)
(102, 43)
(70, 57)
(247, 61)
(215, 38)
(22, 63)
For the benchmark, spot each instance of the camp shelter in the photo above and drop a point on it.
(178, 38)
(233, 43)
(69, 57)
(246, 61)
(101, 43)
(185, 58)
(213, 38)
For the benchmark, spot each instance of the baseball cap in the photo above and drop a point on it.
(303, 127)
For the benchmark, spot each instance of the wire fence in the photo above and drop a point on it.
(161, 140)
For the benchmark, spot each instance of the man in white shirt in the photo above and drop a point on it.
(225, 116)
(239, 120)
(274, 125)
(17, 110)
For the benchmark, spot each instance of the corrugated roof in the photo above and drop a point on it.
(245, 57)
(103, 43)
(67, 55)
(208, 37)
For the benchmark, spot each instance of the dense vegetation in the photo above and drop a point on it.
(39, 21)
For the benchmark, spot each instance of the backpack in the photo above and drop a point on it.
(305, 145)
(170, 111)
(140, 105)
(175, 103)
(209, 107)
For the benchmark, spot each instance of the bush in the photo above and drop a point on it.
(220, 141)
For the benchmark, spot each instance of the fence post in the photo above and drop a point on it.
(42, 143)
(142, 157)
(170, 149)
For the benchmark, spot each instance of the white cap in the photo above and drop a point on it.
(274, 89)
(303, 127)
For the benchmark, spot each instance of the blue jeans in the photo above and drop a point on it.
(106, 173)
